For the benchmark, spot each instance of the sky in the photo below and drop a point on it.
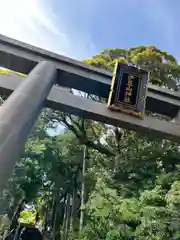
(82, 28)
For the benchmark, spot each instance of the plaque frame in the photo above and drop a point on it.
(120, 71)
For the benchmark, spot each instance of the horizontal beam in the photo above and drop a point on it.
(22, 57)
(67, 102)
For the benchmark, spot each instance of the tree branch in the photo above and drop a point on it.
(80, 132)
(98, 146)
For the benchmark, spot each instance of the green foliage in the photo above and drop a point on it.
(162, 66)
(27, 216)
(131, 182)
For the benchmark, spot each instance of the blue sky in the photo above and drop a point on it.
(82, 28)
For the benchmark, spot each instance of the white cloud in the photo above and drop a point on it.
(34, 22)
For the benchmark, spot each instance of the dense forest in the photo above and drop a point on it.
(93, 181)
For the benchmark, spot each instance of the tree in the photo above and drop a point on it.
(131, 181)
(163, 67)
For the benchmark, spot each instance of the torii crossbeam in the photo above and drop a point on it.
(45, 69)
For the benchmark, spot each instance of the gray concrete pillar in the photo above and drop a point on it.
(19, 113)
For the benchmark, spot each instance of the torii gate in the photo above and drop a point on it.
(45, 71)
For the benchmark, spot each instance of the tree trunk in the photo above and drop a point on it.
(45, 219)
(54, 214)
(67, 217)
(73, 207)
(59, 215)
(83, 189)
(16, 215)
(15, 207)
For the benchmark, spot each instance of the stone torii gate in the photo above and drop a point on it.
(46, 71)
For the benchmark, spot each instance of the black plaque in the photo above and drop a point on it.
(128, 90)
